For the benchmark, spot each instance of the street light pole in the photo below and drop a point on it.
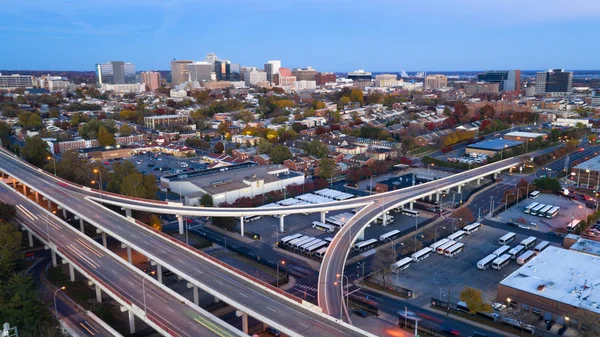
(278, 262)
(55, 306)
(342, 286)
(144, 293)
(100, 184)
(394, 248)
(54, 161)
(436, 228)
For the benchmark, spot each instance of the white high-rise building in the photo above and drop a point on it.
(271, 68)
(252, 77)
(200, 71)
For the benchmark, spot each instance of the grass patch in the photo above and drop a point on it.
(77, 290)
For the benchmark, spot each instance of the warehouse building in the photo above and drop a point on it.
(524, 136)
(227, 184)
(492, 146)
(559, 285)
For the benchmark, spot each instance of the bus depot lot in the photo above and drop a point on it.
(432, 276)
(170, 163)
(568, 210)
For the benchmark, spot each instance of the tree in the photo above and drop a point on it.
(105, 138)
(5, 132)
(280, 153)
(207, 200)
(356, 95)
(125, 130)
(7, 211)
(327, 168)
(317, 149)
(120, 171)
(263, 146)
(472, 297)
(30, 120)
(154, 222)
(219, 148)
(20, 304)
(10, 243)
(35, 151)
(548, 184)
(382, 262)
(246, 115)
(227, 223)
(463, 213)
(139, 186)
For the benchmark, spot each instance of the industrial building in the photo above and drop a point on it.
(492, 146)
(227, 184)
(557, 284)
(524, 136)
(587, 173)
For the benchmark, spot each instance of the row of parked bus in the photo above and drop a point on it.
(306, 245)
(449, 247)
(542, 210)
(339, 220)
(503, 255)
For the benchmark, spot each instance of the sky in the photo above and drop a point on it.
(329, 35)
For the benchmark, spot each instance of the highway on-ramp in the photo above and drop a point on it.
(277, 309)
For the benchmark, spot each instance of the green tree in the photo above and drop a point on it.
(548, 184)
(472, 297)
(246, 115)
(154, 222)
(280, 153)
(227, 223)
(139, 186)
(105, 138)
(356, 95)
(35, 151)
(10, 243)
(263, 146)
(317, 149)
(125, 130)
(120, 171)
(7, 211)
(207, 200)
(30, 120)
(327, 168)
(20, 304)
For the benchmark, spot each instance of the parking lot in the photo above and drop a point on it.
(438, 275)
(568, 210)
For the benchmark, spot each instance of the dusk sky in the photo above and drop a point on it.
(330, 35)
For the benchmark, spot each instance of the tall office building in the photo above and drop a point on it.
(324, 78)
(200, 71)
(179, 71)
(235, 72)
(151, 79)
(223, 70)
(271, 68)
(360, 76)
(509, 80)
(115, 72)
(554, 81)
(10, 82)
(211, 58)
(308, 74)
(252, 76)
(436, 81)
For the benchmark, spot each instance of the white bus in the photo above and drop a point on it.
(541, 246)
(530, 241)
(401, 265)
(516, 251)
(501, 251)
(304, 243)
(422, 254)
(552, 212)
(454, 250)
(252, 218)
(500, 262)
(389, 236)
(572, 225)
(365, 245)
(309, 244)
(484, 263)
(506, 238)
(328, 239)
(525, 257)
(321, 252)
(410, 212)
(530, 207)
(474, 227)
(534, 194)
(439, 243)
(335, 222)
(388, 219)
(314, 248)
(289, 238)
(543, 211)
(299, 242)
(456, 236)
(440, 249)
(536, 209)
(323, 226)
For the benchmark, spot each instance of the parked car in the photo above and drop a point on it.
(273, 331)
(360, 312)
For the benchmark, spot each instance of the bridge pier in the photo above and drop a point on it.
(242, 226)
(384, 218)
(281, 224)
(216, 299)
(128, 212)
(71, 272)
(81, 225)
(478, 181)
(361, 234)
(25, 190)
(180, 221)
(437, 197)
(129, 255)
(131, 322)
(49, 205)
(53, 253)
(195, 291)
(495, 175)
(159, 273)
(64, 213)
(411, 205)
(98, 294)
(323, 214)
(30, 237)
(244, 316)
(37, 196)
(104, 240)
(460, 188)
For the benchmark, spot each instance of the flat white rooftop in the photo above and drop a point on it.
(525, 134)
(561, 275)
(586, 246)
(592, 164)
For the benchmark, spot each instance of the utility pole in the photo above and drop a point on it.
(448, 302)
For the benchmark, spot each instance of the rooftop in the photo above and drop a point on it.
(592, 164)
(525, 134)
(561, 275)
(495, 144)
(586, 246)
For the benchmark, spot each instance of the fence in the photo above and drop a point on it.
(392, 289)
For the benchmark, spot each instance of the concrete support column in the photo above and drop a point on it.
(478, 181)
(180, 220)
(361, 234)
(129, 254)
(495, 175)
(37, 196)
(244, 316)
(323, 216)
(242, 226)
(384, 218)
(281, 224)
(104, 239)
(81, 225)
(24, 189)
(30, 237)
(49, 205)
(437, 197)
(411, 205)
(216, 299)
(196, 296)
(64, 213)
(53, 253)
(159, 273)
(98, 294)
(72, 272)
(459, 188)
(131, 322)
(128, 212)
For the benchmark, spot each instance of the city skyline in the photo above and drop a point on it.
(324, 35)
